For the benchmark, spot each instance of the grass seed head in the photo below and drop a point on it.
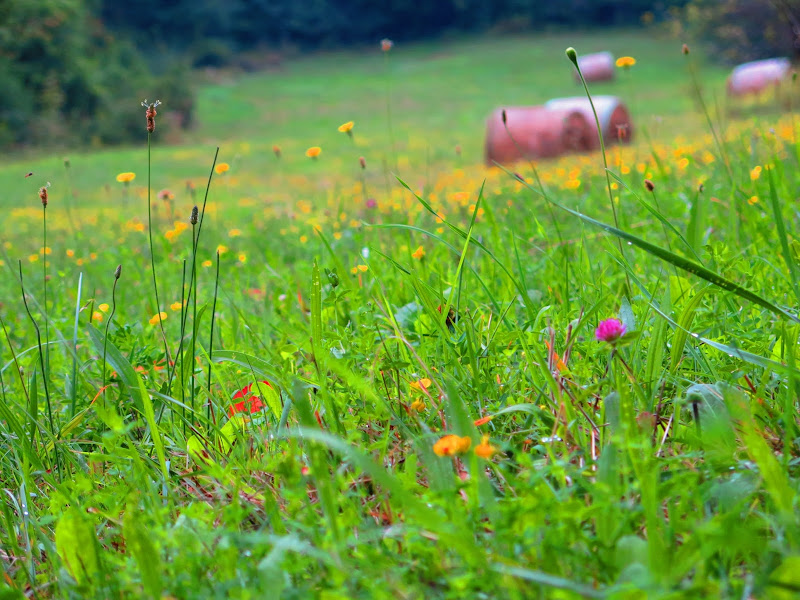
(193, 217)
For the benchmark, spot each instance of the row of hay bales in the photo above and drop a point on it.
(560, 126)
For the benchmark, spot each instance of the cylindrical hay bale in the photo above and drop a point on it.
(756, 77)
(535, 132)
(615, 120)
(598, 66)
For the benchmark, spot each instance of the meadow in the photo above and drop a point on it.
(381, 368)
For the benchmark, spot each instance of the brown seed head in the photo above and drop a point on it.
(150, 114)
(649, 185)
(43, 195)
(362, 161)
(193, 218)
(118, 272)
(685, 49)
(503, 115)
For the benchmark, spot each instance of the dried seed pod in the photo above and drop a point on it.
(150, 114)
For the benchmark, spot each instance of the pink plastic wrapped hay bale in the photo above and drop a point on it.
(535, 132)
(753, 78)
(598, 66)
(615, 120)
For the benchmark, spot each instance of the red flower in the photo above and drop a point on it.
(251, 404)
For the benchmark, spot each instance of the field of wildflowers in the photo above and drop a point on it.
(346, 359)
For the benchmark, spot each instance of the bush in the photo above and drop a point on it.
(742, 30)
(66, 77)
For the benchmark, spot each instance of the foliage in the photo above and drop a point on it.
(742, 30)
(67, 78)
(385, 315)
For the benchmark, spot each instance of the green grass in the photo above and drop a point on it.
(663, 466)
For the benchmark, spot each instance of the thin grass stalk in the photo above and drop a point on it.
(210, 410)
(196, 242)
(108, 324)
(573, 56)
(179, 357)
(44, 379)
(152, 252)
(193, 293)
(74, 397)
(46, 373)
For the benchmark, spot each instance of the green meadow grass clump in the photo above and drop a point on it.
(329, 381)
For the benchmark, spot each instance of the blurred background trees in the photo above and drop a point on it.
(71, 69)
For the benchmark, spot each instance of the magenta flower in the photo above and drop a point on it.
(609, 330)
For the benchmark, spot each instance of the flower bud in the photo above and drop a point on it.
(193, 218)
(572, 55)
(649, 185)
(118, 272)
(685, 49)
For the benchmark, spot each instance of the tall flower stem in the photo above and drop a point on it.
(44, 379)
(195, 243)
(46, 368)
(152, 252)
(193, 293)
(210, 412)
(573, 56)
(108, 323)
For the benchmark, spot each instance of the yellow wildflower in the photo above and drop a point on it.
(159, 317)
(755, 173)
(175, 306)
(126, 177)
(422, 384)
(207, 263)
(346, 127)
(103, 307)
(626, 62)
(753, 200)
(235, 232)
(222, 168)
(419, 253)
(418, 405)
(313, 152)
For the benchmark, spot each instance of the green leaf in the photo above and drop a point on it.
(155, 432)
(76, 545)
(142, 549)
(316, 312)
(117, 360)
(682, 263)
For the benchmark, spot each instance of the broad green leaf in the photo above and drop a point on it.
(141, 548)
(76, 545)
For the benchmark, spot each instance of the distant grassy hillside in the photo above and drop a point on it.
(440, 94)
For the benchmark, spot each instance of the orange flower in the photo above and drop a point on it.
(419, 253)
(483, 420)
(485, 449)
(313, 152)
(222, 168)
(386, 44)
(450, 445)
(346, 127)
(418, 405)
